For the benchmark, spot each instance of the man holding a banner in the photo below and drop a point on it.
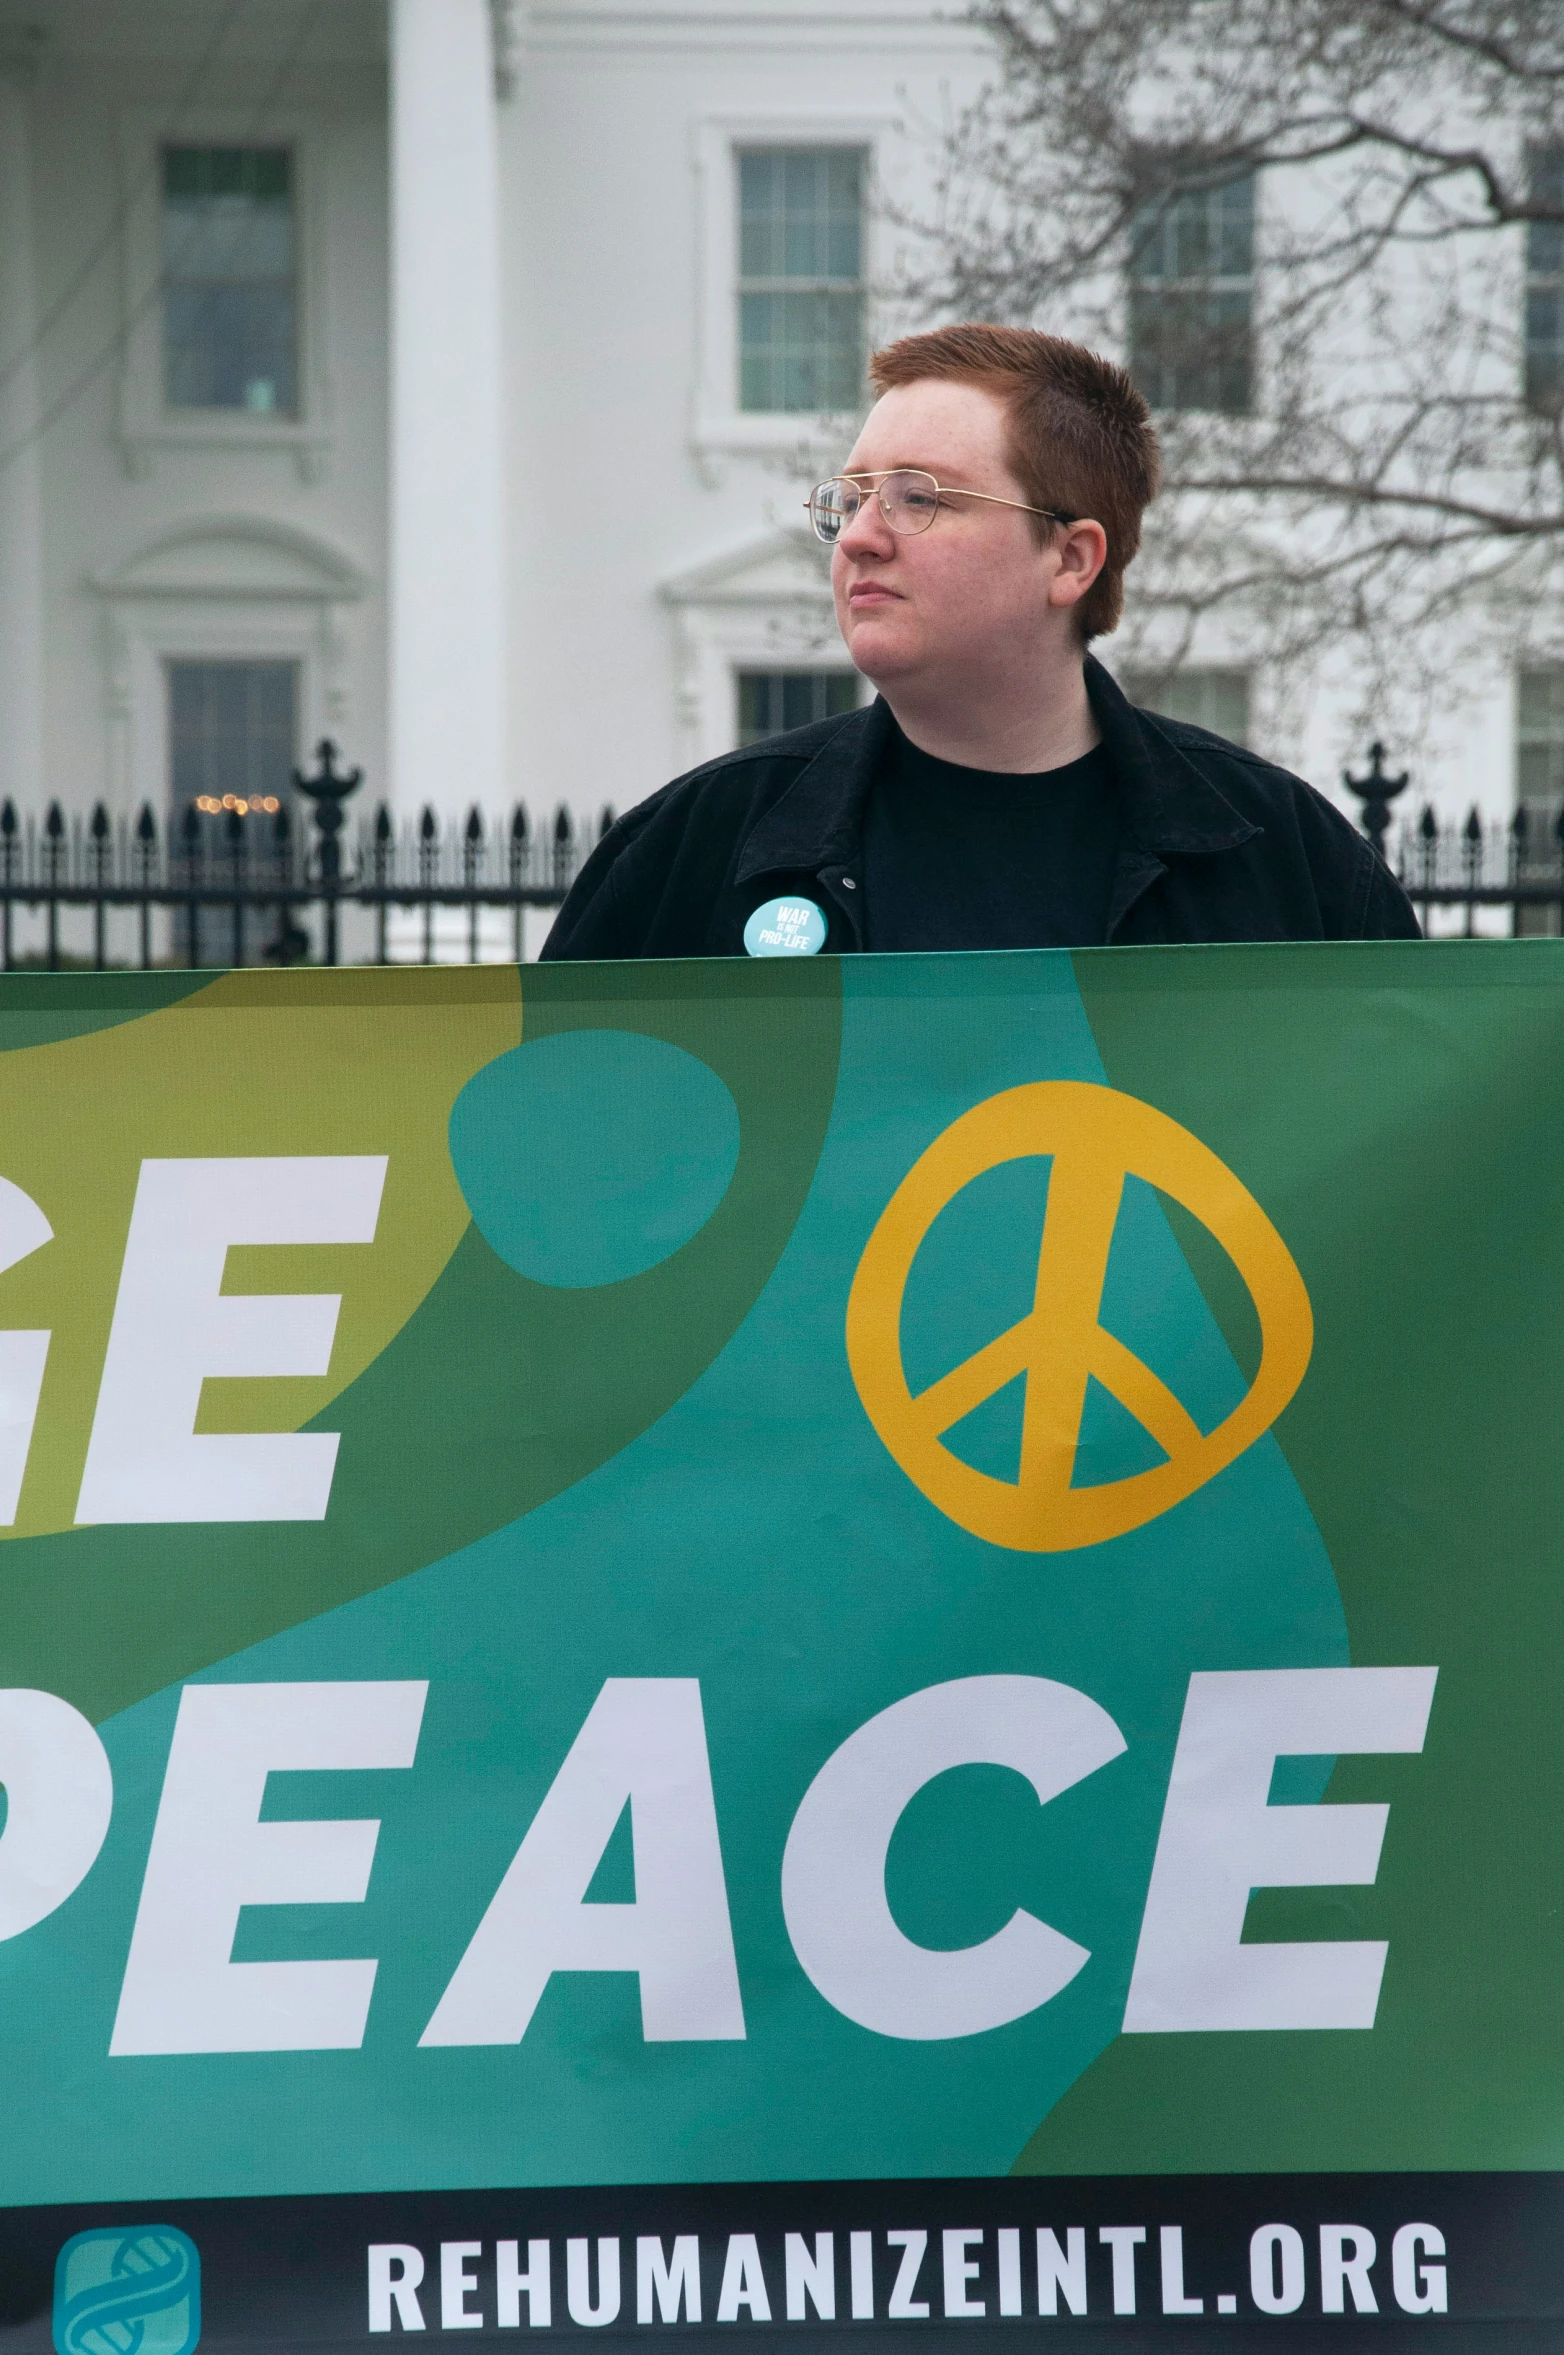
(1001, 792)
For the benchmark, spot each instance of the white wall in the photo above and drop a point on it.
(101, 94)
(605, 244)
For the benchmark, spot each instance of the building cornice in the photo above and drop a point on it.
(908, 30)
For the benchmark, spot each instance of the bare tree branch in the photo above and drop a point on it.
(1394, 496)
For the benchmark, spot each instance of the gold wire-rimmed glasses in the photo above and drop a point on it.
(908, 499)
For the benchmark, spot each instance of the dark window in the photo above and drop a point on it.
(1539, 783)
(770, 701)
(1545, 286)
(232, 731)
(230, 311)
(801, 293)
(1190, 298)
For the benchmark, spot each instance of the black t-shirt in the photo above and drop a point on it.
(976, 859)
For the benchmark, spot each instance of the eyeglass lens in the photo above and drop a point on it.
(908, 501)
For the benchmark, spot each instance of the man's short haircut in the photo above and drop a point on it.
(1081, 436)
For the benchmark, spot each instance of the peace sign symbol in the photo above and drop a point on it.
(1096, 1137)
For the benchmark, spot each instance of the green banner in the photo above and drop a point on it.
(757, 1574)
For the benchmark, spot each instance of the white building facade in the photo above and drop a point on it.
(446, 377)
(442, 376)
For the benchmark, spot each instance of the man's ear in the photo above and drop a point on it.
(1082, 550)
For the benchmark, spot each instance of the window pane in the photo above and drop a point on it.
(1544, 346)
(759, 214)
(1540, 705)
(230, 331)
(1539, 759)
(1539, 746)
(231, 730)
(1545, 248)
(801, 214)
(1190, 299)
(1537, 778)
(1214, 699)
(1539, 783)
(1195, 233)
(770, 701)
(1544, 368)
(800, 294)
(1189, 226)
(1234, 206)
(231, 735)
(800, 351)
(1192, 349)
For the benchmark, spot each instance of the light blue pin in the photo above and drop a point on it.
(785, 928)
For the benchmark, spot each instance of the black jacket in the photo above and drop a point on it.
(1215, 844)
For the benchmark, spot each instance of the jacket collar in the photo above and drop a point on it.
(1167, 804)
(819, 820)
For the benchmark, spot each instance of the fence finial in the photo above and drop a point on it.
(328, 789)
(1376, 791)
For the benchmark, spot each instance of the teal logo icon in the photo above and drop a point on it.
(127, 2289)
(785, 928)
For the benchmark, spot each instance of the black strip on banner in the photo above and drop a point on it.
(1466, 2261)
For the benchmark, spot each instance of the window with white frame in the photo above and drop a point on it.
(1539, 782)
(1191, 285)
(1539, 746)
(232, 731)
(770, 701)
(230, 296)
(1545, 286)
(1214, 699)
(801, 295)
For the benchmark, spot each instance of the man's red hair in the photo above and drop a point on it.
(1081, 436)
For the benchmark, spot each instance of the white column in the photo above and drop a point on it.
(21, 509)
(447, 505)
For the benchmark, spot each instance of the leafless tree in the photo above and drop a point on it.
(1365, 451)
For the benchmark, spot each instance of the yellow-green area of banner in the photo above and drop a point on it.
(361, 1062)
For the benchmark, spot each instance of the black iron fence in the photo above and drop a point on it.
(1514, 864)
(236, 881)
(279, 880)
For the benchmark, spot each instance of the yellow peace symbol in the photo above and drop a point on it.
(1096, 1137)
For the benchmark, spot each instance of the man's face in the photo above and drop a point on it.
(971, 595)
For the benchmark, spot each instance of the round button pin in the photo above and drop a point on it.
(785, 928)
